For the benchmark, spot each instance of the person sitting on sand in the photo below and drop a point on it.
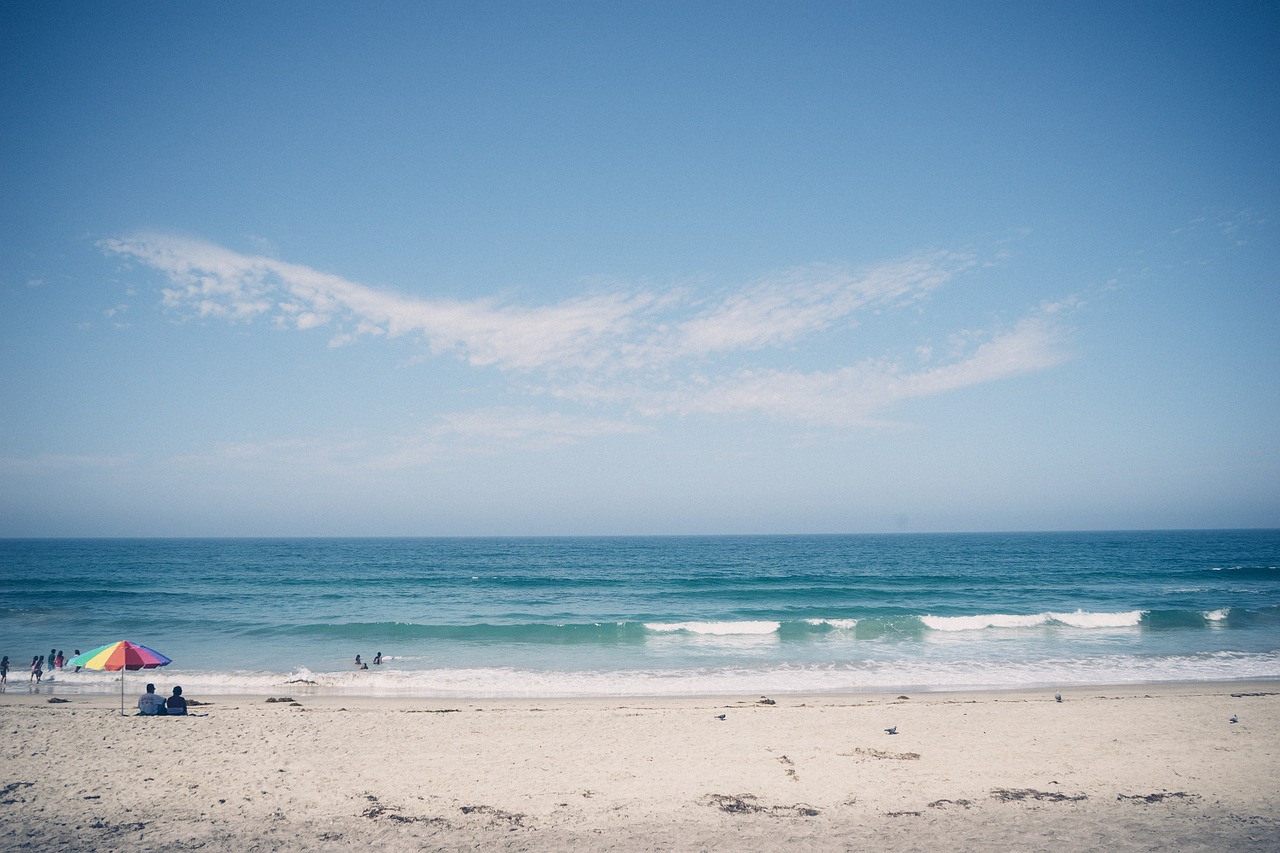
(175, 705)
(150, 704)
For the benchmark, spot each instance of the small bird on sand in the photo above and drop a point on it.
(719, 716)
(1234, 718)
(1057, 697)
(892, 730)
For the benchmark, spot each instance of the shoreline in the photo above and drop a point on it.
(19, 694)
(1116, 767)
(164, 680)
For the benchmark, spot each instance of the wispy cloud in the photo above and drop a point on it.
(211, 281)
(646, 352)
(452, 437)
(783, 309)
(847, 396)
(485, 432)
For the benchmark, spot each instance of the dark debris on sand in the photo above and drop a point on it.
(880, 753)
(747, 804)
(514, 820)
(1007, 795)
(377, 810)
(941, 804)
(1159, 797)
(12, 788)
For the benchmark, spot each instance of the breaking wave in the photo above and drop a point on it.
(863, 627)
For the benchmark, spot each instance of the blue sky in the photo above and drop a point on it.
(485, 268)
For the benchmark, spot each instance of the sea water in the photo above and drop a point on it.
(550, 617)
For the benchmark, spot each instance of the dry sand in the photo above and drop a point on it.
(1131, 768)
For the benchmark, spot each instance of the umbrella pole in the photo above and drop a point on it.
(122, 670)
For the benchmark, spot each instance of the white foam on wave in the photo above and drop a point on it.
(191, 681)
(838, 624)
(1078, 619)
(981, 621)
(1085, 619)
(1216, 615)
(719, 629)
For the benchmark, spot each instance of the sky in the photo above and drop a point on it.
(482, 268)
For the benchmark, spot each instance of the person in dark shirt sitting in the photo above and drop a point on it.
(175, 705)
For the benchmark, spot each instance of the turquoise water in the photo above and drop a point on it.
(653, 615)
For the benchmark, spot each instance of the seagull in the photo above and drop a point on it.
(1057, 697)
(892, 730)
(1234, 718)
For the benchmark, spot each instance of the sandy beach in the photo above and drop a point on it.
(1127, 768)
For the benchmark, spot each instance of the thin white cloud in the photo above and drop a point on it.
(211, 281)
(849, 396)
(780, 310)
(648, 353)
(485, 432)
(451, 437)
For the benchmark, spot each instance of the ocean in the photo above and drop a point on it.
(651, 616)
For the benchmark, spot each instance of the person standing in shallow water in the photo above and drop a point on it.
(76, 655)
(4, 670)
(37, 670)
(53, 656)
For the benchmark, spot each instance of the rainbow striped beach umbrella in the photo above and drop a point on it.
(120, 656)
